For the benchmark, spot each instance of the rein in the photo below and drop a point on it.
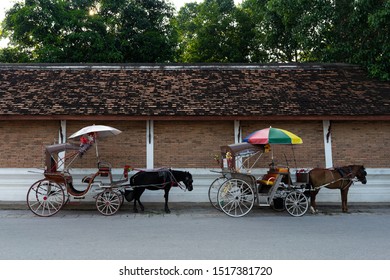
(174, 182)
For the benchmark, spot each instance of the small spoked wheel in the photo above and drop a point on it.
(45, 198)
(108, 202)
(296, 203)
(213, 191)
(235, 198)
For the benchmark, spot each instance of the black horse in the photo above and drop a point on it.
(156, 180)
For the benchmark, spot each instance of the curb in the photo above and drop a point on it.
(195, 206)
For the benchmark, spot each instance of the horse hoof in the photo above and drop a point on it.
(135, 210)
(313, 211)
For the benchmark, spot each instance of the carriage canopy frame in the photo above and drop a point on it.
(236, 157)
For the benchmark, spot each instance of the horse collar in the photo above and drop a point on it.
(344, 174)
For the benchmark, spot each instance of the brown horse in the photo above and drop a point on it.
(338, 178)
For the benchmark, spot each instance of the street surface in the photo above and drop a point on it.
(196, 232)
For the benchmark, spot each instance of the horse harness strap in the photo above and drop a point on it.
(344, 177)
(174, 182)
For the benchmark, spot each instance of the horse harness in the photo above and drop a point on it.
(345, 177)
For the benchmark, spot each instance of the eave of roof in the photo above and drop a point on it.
(192, 118)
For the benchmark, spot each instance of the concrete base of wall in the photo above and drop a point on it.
(14, 184)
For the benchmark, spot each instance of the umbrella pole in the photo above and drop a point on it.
(295, 161)
(97, 150)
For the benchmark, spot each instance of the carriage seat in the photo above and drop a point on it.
(104, 169)
(268, 179)
(280, 170)
(266, 182)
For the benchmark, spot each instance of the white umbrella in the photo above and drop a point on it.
(97, 131)
(100, 130)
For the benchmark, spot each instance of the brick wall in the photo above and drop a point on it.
(190, 144)
(193, 144)
(360, 142)
(22, 142)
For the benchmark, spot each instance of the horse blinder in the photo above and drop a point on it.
(362, 176)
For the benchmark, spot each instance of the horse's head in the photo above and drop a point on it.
(183, 176)
(360, 173)
(188, 181)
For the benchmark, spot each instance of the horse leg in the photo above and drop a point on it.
(166, 194)
(137, 195)
(135, 209)
(344, 198)
(313, 205)
(141, 205)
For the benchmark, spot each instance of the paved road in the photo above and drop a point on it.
(196, 232)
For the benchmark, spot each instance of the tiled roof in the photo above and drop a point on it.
(177, 91)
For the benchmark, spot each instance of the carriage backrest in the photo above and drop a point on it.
(52, 162)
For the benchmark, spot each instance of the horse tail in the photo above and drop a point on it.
(309, 180)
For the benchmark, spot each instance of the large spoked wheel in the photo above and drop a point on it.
(235, 198)
(108, 202)
(296, 203)
(45, 198)
(213, 191)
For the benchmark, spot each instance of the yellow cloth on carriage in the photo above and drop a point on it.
(268, 179)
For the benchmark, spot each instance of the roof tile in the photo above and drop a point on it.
(223, 90)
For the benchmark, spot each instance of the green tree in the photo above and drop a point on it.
(212, 31)
(360, 34)
(292, 30)
(379, 25)
(254, 12)
(91, 30)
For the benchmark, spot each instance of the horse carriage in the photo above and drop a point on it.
(236, 190)
(48, 195)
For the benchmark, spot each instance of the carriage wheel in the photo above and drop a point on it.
(45, 198)
(296, 203)
(108, 202)
(213, 191)
(235, 198)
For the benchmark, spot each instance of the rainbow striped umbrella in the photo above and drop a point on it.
(273, 135)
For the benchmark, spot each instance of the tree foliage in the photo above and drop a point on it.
(360, 34)
(212, 31)
(350, 31)
(91, 30)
